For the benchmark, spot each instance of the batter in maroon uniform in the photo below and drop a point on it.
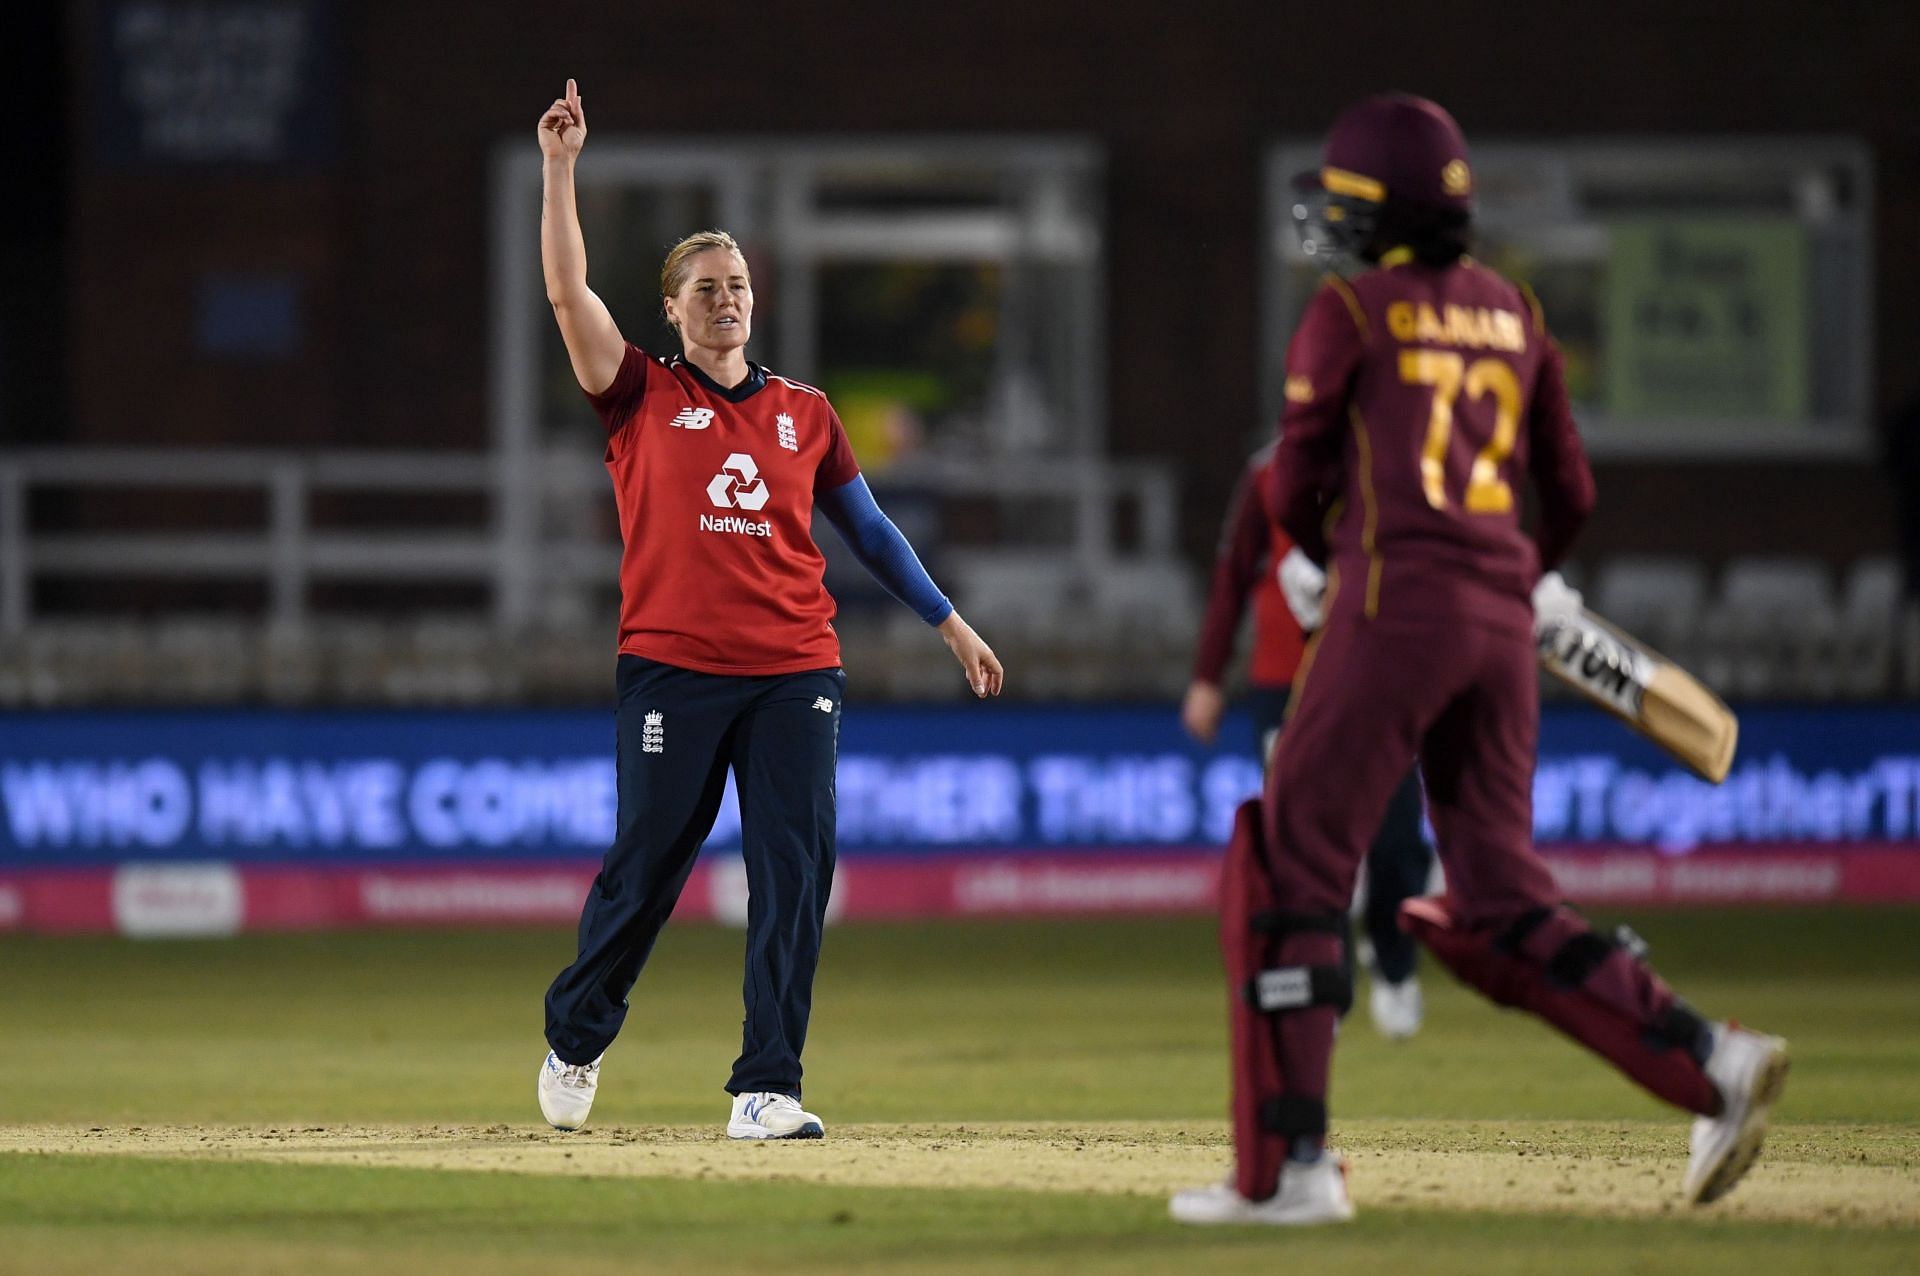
(1258, 562)
(1420, 393)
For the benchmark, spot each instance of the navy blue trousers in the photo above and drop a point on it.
(1397, 863)
(678, 732)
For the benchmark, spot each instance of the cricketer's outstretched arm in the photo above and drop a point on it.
(594, 344)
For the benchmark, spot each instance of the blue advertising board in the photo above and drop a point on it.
(81, 789)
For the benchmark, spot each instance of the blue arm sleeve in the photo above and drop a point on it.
(881, 549)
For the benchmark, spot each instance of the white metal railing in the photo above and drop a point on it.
(289, 552)
(286, 554)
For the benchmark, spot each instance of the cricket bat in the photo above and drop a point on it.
(1650, 693)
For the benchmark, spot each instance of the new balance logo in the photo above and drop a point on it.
(693, 418)
(788, 438)
(737, 485)
(653, 733)
(823, 704)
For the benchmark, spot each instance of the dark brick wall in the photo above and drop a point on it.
(393, 237)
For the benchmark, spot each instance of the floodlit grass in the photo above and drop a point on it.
(1111, 1021)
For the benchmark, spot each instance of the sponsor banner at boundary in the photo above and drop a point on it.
(212, 899)
(156, 901)
(269, 789)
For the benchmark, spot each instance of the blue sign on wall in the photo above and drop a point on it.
(214, 82)
(263, 787)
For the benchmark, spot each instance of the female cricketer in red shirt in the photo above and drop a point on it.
(728, 658)
(1420, 394)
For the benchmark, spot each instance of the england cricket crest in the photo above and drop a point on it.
(653, 732)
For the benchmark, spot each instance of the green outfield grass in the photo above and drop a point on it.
(937, 1024)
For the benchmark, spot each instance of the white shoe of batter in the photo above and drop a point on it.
(1309, 1194)
(1750, 1070)
(763, 1114)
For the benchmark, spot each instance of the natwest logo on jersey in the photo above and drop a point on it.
(737, 486)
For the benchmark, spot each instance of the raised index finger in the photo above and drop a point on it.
(573, 94)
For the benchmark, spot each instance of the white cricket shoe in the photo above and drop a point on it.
(1398, 1009)
(762, 1114)
(566, 1091)
(1309, 1193)
(1750, 1070)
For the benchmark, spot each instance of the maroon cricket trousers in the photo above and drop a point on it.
(1462, 697)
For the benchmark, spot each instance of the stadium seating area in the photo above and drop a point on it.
(1759, 628)
(1771, 627)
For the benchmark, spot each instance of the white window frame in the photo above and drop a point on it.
(763, 188)
(1552, 176)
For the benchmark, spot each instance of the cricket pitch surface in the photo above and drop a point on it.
(1840, 1175)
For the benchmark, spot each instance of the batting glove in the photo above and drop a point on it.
(1554, 601)
(1305, 587)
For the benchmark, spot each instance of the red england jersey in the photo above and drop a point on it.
(1251, 546)
(718, 569)
(1418, 398)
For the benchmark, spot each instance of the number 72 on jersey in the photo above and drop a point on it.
(1451, 376)
(1657, 697)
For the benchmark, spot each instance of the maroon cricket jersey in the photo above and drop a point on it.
(718, 569)
(1251, 547)
(1418, 399)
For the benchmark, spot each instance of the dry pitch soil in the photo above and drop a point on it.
(1838, 1175)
